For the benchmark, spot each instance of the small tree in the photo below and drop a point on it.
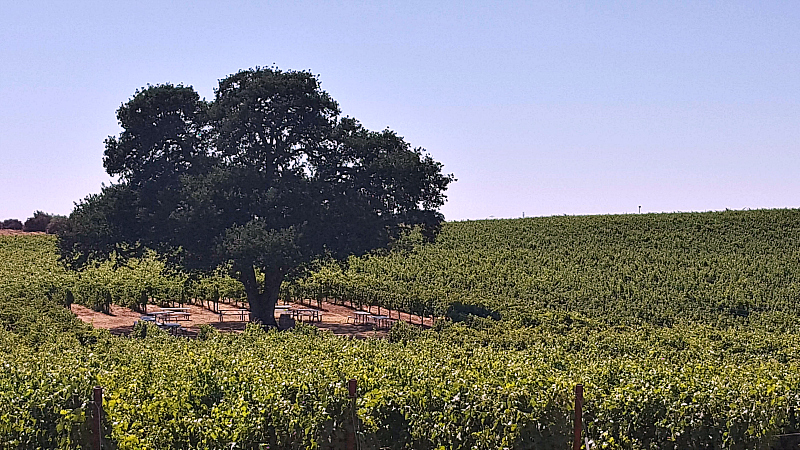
(264, 179)
(38, 222)
(12, 224)
(57, 224)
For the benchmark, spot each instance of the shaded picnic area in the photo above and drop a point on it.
(233, 317)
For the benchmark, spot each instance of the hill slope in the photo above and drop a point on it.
(456, 387)
(715, 267)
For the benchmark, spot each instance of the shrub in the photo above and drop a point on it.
(458, 312)
(12, 224)
(57, 225)
(142, 329)
(38, 222)
(401, 331)
(206, 332)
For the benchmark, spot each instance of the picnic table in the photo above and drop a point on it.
(312, 314)
(380, 321)
(177, 313)
(159, 316)
(149, 319)
(360, 317)
(233, 312)
(172, 328)
(169, 316)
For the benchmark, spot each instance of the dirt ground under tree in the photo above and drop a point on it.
(334, 319)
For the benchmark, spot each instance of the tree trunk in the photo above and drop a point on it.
(262, 301)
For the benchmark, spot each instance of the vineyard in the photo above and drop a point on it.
(30, 266)
(682, 328)
(717, 268)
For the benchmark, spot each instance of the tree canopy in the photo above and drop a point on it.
(266, 177)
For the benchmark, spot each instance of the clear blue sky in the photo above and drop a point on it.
(543, 108)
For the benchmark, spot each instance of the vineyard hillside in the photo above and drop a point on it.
(725, 373)
(719, 268)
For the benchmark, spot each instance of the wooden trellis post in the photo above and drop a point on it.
(352, 387)
(97, 418)
(576, 441)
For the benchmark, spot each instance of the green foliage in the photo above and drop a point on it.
(403, 332)
(11, 224)
(458, 312)
(58, 225)
(29, 266)
(730, 382)
(722, 268)
(271, 250)
(143, 329)
(206, 332)
(36, 320)
(724, 389)
(38, 222)
(129, 283)
(408, 241)
(163, 136)
(32, 267)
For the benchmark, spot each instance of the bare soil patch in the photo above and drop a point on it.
(7, 232)
(121, 319)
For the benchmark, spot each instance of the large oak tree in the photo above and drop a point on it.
(264, 178)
